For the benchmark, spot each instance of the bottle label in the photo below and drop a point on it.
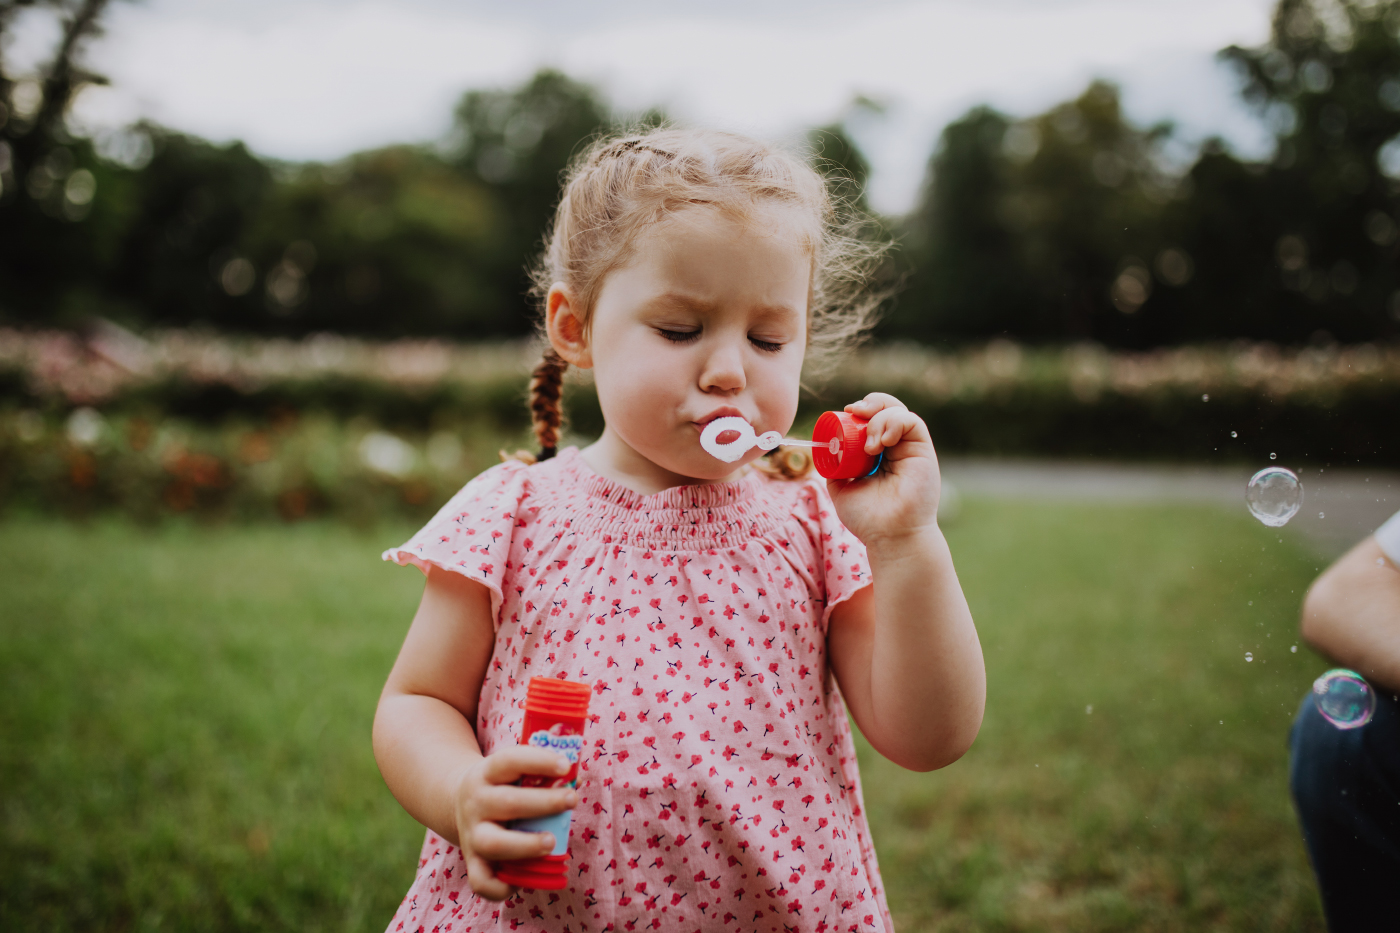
(562, 739)
(554, 740)
(556, 823)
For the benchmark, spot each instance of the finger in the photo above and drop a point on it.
(873, 403)
(493, 841)
(890, 427)
(509, 802)
(510, 764)
(909, 427)
(484, 881)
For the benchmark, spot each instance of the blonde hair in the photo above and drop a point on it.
(625, 183)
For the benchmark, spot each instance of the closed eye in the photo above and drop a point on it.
(678, 336)
(767, 346)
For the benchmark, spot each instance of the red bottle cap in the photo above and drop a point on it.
(565, 699)
(852, 461)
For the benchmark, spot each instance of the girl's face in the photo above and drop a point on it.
(707, 319)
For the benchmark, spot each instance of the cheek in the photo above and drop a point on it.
(637, 383)
(779, 390)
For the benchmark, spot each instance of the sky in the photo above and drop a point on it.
(318, 79)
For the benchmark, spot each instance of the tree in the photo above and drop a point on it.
(517, 144)
(388, 243)
(48, 257)
(1028, 229)
(186, 212)
(1317, 252)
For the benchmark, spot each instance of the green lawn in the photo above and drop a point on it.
(186, 729)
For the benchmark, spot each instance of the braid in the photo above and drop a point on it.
(785, 463)
(546, 387)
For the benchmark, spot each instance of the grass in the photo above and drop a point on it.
(186, 729)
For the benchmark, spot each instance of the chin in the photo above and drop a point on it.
(715, 471)
(702, 467)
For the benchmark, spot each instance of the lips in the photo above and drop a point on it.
(725, 412)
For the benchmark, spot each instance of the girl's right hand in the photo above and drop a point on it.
(487, 797)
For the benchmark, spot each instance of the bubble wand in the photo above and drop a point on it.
(837, 444)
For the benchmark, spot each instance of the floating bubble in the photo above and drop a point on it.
(1273, 456)
(1344, 698)
(1294, 649)
(1274, 495)
(1234, 434)
(1321, 514)
(1205, 398)
(1249, 656)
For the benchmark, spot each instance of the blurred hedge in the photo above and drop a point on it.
(188, 422)
(1322, 405)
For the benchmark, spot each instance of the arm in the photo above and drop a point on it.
(904, 649)
(1351, 614)
(427, 749)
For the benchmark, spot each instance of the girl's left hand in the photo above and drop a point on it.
(901, 499)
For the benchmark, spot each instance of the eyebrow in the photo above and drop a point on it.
(683, 302)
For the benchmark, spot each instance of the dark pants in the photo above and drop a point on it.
(1346, 786)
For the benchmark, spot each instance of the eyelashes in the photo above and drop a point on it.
(679, 336)
(690, 336)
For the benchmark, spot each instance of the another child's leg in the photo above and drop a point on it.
(1346, 787)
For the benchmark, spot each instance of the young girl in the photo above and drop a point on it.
(720, 612)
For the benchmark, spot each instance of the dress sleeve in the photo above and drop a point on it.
(471, 534)
(1388, 537)
(845, 564)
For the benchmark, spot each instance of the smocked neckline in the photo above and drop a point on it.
(677, 498)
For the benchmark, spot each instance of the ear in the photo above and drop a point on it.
(567, 333)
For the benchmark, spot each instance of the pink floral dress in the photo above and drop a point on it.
(719, 787)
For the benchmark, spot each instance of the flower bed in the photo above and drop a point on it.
(195, 423)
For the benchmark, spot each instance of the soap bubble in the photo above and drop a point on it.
(1234, 434)
(1273, 456)
(1344, 698)
(1249, 656)
(1294, 649)
(1205, 398)
(1274, 495)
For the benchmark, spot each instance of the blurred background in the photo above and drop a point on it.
(262, 310)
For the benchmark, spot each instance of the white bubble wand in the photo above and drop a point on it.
(747, 439)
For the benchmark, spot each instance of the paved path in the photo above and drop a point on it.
(1340, 506)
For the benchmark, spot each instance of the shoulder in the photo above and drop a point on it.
(505, 483)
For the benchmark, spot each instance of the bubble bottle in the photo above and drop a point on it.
(838, 443)
(556, 712)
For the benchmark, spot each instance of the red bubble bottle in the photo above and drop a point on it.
(555, 713)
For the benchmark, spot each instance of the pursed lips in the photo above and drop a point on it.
(721, 413)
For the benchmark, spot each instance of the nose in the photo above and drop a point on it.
(723, 370)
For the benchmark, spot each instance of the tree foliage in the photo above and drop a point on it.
(1073, 225)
